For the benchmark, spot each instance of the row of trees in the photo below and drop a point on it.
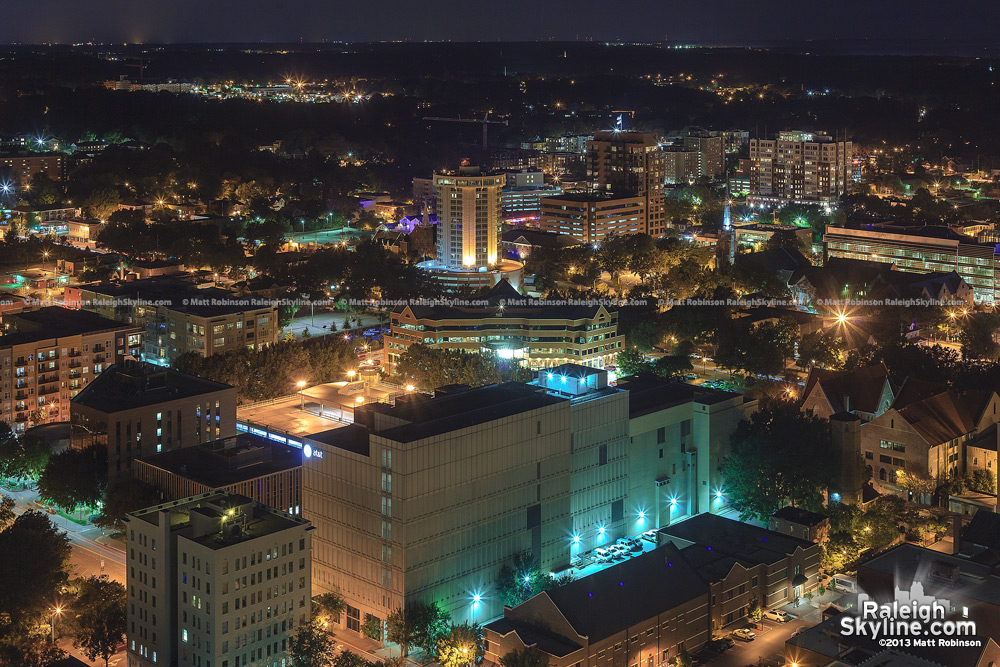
(427, 367)
(274, 370)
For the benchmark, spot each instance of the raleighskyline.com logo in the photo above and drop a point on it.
(911, 619)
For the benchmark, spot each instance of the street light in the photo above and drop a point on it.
(409, 387)
(350, 374)
(302, 401)
(52, 621)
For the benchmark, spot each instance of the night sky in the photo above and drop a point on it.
(733, 21)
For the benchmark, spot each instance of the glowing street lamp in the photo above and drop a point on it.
(409, 387)
(52, 622)
(301, 384)
(351, 374)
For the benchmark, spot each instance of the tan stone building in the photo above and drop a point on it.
(513, 327)
(138, 409)
(50, 355)
(426, 500)
(215, 579)
(178, 317)
(590, 218)
(630, 164)
(799, 168)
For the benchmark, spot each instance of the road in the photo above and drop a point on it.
(769, 644)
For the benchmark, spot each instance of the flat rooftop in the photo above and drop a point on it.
(131, 385)
(733, 538)
(182, 296)
(228, 461)
(56, 322)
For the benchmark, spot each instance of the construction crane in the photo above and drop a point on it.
(486, 122)
(139, 64)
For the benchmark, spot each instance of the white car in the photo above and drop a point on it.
(624, 542)
(649, 536)
(744, 634)
(602, 555)
(777, 615)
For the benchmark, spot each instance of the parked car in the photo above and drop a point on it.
(602, 555)
(624, 542)
(745, 634)
(722, 644)
(636, 546)
(777, 615)
(689, 376)
(649, 536)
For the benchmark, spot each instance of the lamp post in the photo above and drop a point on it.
(302, 401)
(52, 622)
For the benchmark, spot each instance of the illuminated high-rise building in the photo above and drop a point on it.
(799, 168)
(469, 215)
(629, 164)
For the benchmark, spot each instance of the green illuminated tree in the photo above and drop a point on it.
(460, 647)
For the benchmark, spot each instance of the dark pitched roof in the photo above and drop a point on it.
(539, 237)
(799, 516)
(862, 386)
(534, 636)
(774, 260)
(622, 595)
(983, 530)
(735, 538)
(939, 418)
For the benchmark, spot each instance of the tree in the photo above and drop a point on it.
(434, 624)
(75, 477)
(331, 604)
(103, 202)
(630, 361)
(822, 348)
(372, 627)
(122, 498)
(460, 647)
(684, 658)
(519, 579)
(755, 613)
(983, 480)
(7, 515)
(21, 458)
(976, 336)
(31, 571)
(43, 191)
(529, 656)
(100, 617)
(780, 455)
(403, 623)
(30, 650)
(312, 646)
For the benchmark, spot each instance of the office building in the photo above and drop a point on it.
(742, 563)
(710, 150)
(930, 249)
(264, 471)
(522, 195)
(521, 329)
(629, 164)
(680, 166)
(755, 236)
(469, 213)
(427, 499)
(49, 355)
(138, 409)
(799, 168)
(590, 218)
(424, 196)
(215, 579)
(24, 166)
(178, 317)
(642, 612)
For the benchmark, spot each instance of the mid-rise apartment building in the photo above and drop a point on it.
(469, 215)
(929, 249)
(427, 499)
(680, 165)
(629, 164)
(215, 580)
(591, 218)
(49, 355)
(138, 409)
(799, 168)
(25, 165)
(710, 150)
(178, 317)
(512, 327)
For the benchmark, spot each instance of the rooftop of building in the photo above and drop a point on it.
(135, 384)
(626, 136)
(620, 596)
(539, 237)
(218, 519)
(228, 461)
(939, 573)
(944, 416)
(182, 295)
(514, 305)
(859, 389)
(427, 417)
(648, 393)
(983, 530)
(800, 516)
(589, 197)
(55, 322)
(711, 532)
